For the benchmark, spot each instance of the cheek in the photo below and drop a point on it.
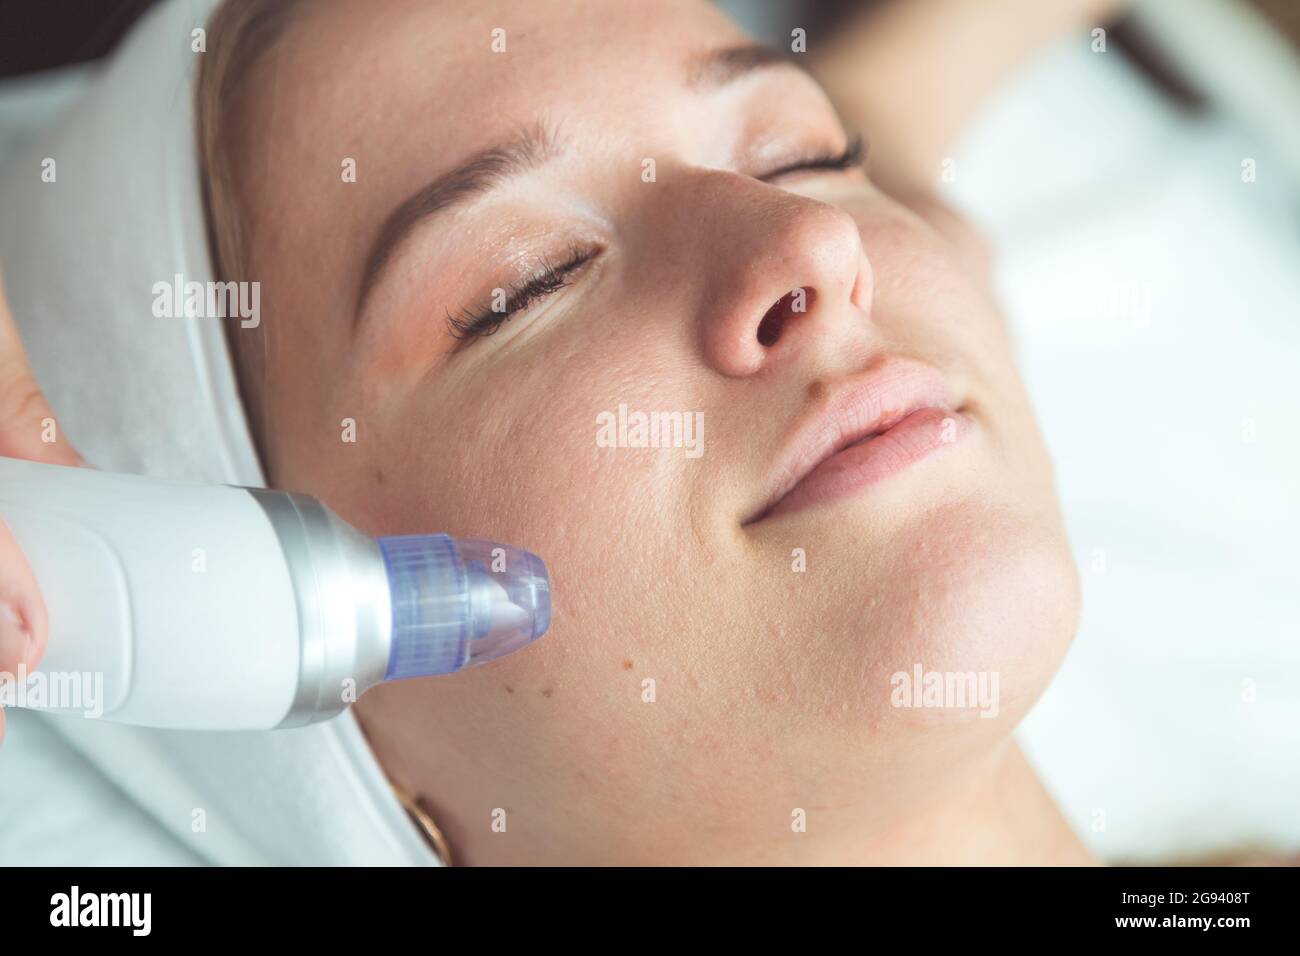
(517, 460)
(928, 298)
(514, 457)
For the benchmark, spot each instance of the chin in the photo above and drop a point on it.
(976, 593)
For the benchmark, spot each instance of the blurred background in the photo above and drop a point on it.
(1143, 199)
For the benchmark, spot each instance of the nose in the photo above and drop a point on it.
(784, 271)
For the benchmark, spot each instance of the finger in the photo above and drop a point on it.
(23, 620)
(28, 428)
(23, 623)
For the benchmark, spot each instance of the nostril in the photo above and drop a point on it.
(769, 330)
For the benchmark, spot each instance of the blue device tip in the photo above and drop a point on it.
(458, 602)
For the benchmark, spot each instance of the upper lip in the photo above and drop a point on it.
(859, 407)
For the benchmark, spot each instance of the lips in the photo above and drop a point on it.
(867, 429)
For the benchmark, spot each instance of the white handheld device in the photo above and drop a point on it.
(217, 607)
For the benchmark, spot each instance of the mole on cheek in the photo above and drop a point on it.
(547, 692)
(627, 665)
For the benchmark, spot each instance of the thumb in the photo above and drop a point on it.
(24, 627)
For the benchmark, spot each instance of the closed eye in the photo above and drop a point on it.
(853, 155)
(465, 327)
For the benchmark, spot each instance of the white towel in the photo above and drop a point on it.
(157, 396)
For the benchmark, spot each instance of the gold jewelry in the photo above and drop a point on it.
(421, 818)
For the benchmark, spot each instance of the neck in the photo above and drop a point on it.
(1005, 818)
(1000, 815)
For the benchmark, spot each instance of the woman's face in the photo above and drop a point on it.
(714, 664)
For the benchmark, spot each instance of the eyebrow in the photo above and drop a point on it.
(533, 146)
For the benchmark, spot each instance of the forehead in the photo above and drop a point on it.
(453, 75)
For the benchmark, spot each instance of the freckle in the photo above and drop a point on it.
(509, 689)
(627, 665)
(547, 692)
(379, 475)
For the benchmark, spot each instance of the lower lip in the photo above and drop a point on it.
(921, 434)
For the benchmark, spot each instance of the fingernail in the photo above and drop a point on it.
(15, 640)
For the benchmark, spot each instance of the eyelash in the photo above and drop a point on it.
(550, 279)
(466, 326)
(853, 155)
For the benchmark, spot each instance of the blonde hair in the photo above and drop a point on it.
(239, 35)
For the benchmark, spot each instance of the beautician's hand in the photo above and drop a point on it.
(24, 420)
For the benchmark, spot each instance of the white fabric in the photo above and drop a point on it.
(142, 394)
